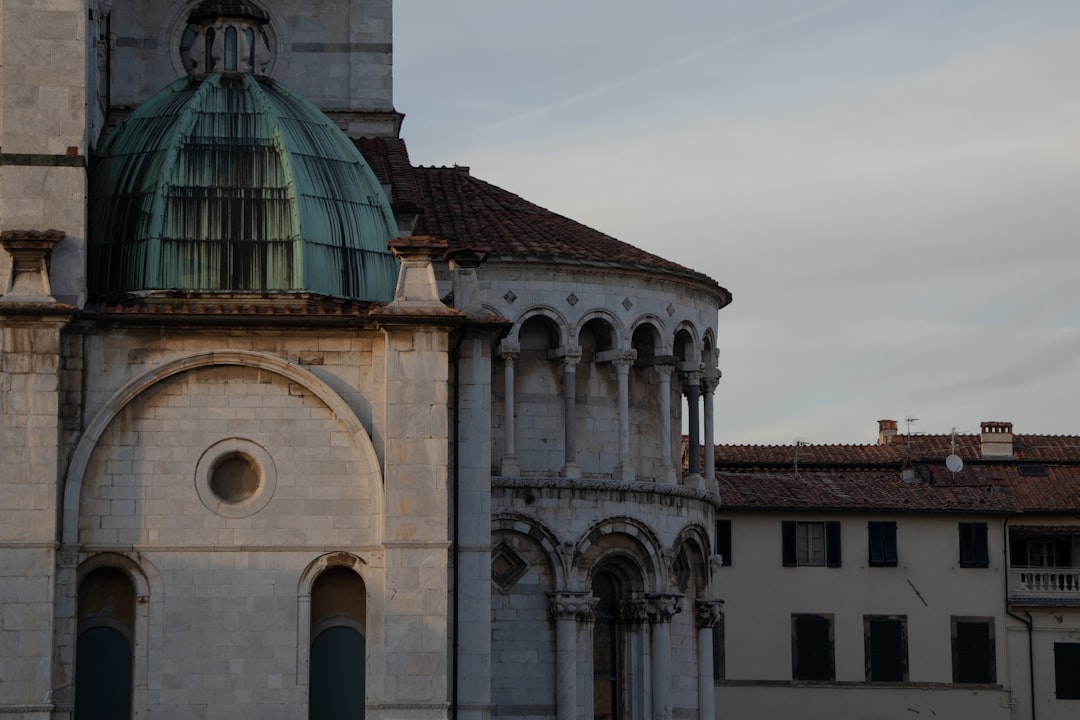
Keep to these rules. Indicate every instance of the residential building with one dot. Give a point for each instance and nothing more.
(891, 580)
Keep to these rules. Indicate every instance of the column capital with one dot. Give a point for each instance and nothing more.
(572, 606)
(664, 370)
(662, 607)
(710, 379)
(625, 360)
(509, 349)
(634, 611)
(708, 612)
(692, 378)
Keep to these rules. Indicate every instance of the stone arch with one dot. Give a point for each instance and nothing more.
(693, 540)
(305, 630)
(538, 533)
(686, 343)
(708, 350)
(323, 563)
(556, 318)
(146, 580)
(618, 339)
(657, 337)
(193, 361)
(622, 540)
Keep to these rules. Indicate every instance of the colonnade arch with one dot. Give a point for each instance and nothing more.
(593, 397)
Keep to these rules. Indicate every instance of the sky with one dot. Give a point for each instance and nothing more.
(890, 190)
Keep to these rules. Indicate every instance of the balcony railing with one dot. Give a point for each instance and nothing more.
(1045, 586)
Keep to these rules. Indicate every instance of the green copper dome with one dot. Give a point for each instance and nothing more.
(233, 184)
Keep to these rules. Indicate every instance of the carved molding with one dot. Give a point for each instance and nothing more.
(661, 608)
(572, 606)
(709, 612)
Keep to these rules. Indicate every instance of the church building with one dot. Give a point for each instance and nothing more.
(292, 428)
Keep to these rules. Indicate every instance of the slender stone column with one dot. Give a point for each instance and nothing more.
(708, 614)
(567, 609)
(510, 465)
(625, 469)
(709, 381)
(692, 389)
(667, 463)
(570, 360)
(661, 609)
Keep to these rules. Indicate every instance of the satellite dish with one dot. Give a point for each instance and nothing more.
(954, 463)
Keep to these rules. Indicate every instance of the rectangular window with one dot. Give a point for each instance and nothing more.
(1040, 551)
(973, 650)
(810, 543)
(973, 547)
(1067, 670)
(882, 543)
(885, 637)
(723, 540)
(812, 648)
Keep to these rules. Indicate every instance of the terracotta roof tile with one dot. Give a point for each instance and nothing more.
(1042, 476)
(469, 212)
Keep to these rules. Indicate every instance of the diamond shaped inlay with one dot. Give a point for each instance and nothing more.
(670, 309)
(510, 297)
(507, 566)
(572, 299)
(627, 303)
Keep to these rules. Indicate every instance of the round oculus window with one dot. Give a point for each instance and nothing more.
(235, 478)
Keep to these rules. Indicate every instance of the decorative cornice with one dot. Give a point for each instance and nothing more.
(603, 485)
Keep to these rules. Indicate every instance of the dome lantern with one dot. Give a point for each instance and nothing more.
(229, 38)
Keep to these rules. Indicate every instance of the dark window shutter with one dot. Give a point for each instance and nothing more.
(1064, 553)
(1067, 670)
(813, 648)
(832, 543)
(887, 651)
(787, 538)
(974, 653)
(882, 543)
(982, 551)
(973, 545)
(723, 540)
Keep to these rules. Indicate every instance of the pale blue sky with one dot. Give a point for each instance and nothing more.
(891, 190)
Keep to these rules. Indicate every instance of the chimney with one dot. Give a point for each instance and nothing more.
(996, 440)
(886, 432)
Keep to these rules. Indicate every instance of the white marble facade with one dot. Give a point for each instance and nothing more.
(502, 482)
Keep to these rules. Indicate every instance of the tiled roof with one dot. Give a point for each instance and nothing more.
(468, 212)
(968, 447)
(1042, 476)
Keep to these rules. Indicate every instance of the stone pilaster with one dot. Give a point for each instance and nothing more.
(692, 390)
(708, 613)
(625, 469)
(510, 466)
(567, 610)
(667, 462)
(472, 527)
(571, 356)
(709, 381)
(43, 131)
(661, 608)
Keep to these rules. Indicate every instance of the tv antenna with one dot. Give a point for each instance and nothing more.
(953, 463)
